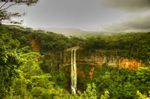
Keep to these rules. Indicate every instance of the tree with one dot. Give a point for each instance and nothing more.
(9, 61)
(6, 4)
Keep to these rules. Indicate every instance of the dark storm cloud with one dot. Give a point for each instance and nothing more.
(130, 5)
(138, 23)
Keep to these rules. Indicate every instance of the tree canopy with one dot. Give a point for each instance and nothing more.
(28, 74)
(6, 4)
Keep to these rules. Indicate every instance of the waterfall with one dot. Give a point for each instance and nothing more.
(73, 71)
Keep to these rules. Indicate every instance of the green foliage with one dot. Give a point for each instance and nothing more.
(122, 83)
(106, 95)
(9, 62)
(50, 41)
(142, 78)
(94, 43)
(25, 74)
(90, 92)
(132, 45)
(31, 82)
(142, 96)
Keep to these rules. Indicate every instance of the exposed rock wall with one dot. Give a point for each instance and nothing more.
(99, 58)
(120, 62)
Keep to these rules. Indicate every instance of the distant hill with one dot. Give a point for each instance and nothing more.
(75, 32)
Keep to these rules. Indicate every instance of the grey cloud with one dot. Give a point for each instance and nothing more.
(87, 14)
(140, 23)
(130, 5)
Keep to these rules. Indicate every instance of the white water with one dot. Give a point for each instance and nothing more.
(73, 71)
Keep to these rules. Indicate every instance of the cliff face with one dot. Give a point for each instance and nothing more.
(99, 58)
(92, 58)
(118, 62)
(129, 63)
(95, 58)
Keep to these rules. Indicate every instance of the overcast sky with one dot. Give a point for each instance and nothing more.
(97, 15)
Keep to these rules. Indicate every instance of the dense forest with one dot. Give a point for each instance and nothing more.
(32, 65)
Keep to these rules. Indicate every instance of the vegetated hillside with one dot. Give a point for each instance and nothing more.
(32, 65)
